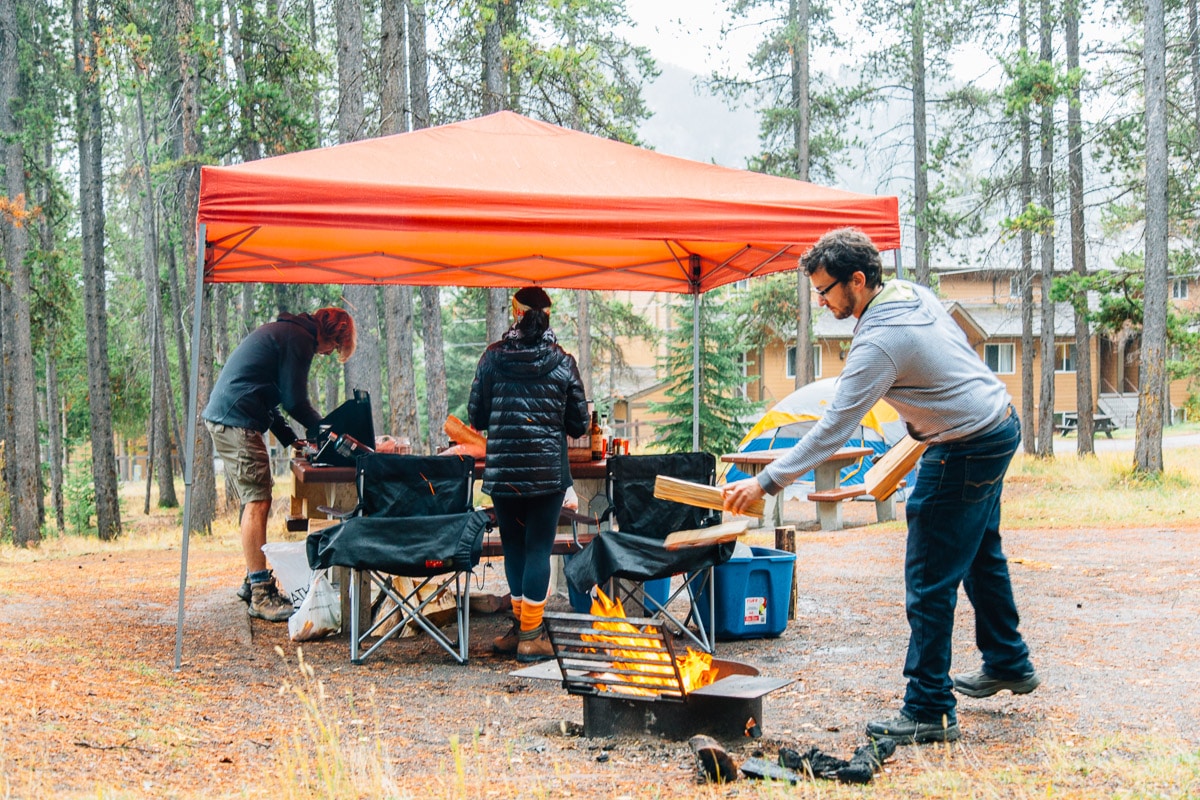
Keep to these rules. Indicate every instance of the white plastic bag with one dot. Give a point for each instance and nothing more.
(289, 561)
(320, 614)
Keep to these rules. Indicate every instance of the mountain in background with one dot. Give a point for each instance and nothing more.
(690, 123)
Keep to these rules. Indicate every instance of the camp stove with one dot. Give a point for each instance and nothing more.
(632, 683)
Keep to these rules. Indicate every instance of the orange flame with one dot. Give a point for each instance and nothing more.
(695, 668)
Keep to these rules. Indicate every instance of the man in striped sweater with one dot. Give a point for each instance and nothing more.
(907, 350)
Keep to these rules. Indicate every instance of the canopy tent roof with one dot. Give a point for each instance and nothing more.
(506, 201)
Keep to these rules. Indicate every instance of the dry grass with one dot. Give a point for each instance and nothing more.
(1068, 491)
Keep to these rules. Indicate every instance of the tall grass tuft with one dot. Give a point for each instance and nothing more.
(321, 760)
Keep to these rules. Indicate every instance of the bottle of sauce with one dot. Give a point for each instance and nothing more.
(597, 435)
(607, 435)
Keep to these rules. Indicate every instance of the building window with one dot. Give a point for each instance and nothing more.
(1064, 358)
(999, 358)
(1014, 286)
(1179, 289)
(791, 361)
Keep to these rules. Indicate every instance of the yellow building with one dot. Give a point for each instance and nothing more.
(985, 304)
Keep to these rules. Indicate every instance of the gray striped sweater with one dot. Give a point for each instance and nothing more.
(907, 350)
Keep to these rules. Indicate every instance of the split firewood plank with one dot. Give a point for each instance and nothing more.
(884, 478)
(700, 537)
(697, 494)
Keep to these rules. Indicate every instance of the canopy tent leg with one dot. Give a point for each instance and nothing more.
(695, 264)
(189, 449)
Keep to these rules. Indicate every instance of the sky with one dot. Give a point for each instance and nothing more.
(684, 37)
(685, 33)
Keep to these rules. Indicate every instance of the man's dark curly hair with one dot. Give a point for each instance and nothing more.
(842, 253)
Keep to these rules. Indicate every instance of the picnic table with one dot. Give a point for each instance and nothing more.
(826, 476)
(1070, 422)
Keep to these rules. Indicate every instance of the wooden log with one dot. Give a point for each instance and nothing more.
(699, 537)
(698, 494)
(714, 760)
(785, 539)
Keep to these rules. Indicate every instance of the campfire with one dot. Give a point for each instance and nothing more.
(641, 662)
(631, 680)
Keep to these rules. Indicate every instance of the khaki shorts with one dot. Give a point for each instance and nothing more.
(247, 464)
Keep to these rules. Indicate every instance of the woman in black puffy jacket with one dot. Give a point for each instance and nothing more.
(529, 397)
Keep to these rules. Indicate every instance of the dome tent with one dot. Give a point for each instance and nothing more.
(793, 416)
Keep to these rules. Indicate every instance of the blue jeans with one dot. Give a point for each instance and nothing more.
(954, 537)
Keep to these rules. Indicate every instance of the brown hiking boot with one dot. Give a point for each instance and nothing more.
(509, 641)
(534, 646)
(266, 603)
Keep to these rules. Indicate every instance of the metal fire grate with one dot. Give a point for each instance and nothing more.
(724, 708)
(594, 661)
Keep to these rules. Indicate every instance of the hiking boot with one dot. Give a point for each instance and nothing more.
(267, 603)
(243, 591)
(534, 646)
(980, 684)
(507, 643)
(906, 730)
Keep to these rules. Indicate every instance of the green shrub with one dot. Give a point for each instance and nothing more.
(80, 491)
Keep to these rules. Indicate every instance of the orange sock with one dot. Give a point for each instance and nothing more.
(517, 604)
(531, 614)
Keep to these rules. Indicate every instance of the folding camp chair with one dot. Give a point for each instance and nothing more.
(414, 519)
(632, 553)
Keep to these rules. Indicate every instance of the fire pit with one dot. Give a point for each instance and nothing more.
(632, 680)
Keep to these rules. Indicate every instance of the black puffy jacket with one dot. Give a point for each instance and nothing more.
(529, 398)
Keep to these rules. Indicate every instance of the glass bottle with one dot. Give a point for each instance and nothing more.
(597, 435)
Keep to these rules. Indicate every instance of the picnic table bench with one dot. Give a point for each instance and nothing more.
(829, 505)
(1070, 422)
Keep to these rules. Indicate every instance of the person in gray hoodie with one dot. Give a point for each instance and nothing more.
(907, 350)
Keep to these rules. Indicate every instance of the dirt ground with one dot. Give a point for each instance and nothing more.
(92, 706)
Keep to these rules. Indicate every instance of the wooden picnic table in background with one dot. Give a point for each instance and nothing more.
(827, 475)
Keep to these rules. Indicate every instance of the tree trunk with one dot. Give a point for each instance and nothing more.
(1028, 407)
(1152, 382)
(398, 300)
(799, 12)
(54, 429)
(436, 404)
(204, 484)
(495, 99)
(583, 328)
(1086, 431)
(920, 148)
(364, 370)
(25, 490)
(1045, 444)
(159, 461)
(54, 420)
(91, 214)
(1194, 58)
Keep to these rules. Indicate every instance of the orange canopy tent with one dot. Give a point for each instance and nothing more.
(502, 201)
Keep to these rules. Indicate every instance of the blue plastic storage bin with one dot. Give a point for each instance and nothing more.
(751, 595)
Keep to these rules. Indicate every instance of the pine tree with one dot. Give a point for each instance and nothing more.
(723, 405)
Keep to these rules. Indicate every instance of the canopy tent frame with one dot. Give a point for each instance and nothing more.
(548, 212)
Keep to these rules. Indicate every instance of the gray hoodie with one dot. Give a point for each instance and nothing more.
(907, 350)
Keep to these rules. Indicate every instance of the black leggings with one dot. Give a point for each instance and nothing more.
(527, 528)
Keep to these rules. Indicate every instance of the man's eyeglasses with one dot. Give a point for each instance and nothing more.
(822, 292)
